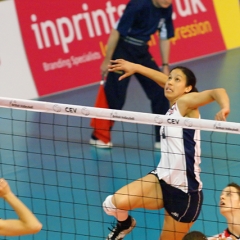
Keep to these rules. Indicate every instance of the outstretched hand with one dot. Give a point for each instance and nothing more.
(222, 114)
(128, 68)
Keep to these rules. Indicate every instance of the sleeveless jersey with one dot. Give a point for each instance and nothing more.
(180, 155)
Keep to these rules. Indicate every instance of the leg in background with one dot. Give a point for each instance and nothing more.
(173, 229)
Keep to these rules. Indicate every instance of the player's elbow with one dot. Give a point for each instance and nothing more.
(34, 228)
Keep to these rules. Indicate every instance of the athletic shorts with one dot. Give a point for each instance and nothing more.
(183, 207)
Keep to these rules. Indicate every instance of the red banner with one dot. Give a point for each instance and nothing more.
(65, 40)
(197, 31)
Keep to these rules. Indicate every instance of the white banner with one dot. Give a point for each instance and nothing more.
(15, 75)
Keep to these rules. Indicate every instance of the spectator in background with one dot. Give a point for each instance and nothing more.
(230, 209)
(194, 235)
(27, 222)
(128, 40)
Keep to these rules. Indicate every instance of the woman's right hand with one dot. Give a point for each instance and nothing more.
(128, 68)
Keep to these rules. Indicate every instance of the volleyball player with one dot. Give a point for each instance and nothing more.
(175, 184)
(27, 222)
(230, 209)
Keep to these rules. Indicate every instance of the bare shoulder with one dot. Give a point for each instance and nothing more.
(185, 107)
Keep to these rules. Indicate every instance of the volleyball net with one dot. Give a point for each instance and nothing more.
(46, 157)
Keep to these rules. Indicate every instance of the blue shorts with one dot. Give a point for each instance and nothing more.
(183, 207)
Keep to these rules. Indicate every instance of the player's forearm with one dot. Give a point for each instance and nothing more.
(157, 76)
(24, 214)
(221, 97)
(111, 44)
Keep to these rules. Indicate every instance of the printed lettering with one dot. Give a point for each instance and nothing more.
(198, 4)
(192, 30)
(37, 34)
(71, 110)
(64, 30)
(49, 25)
(189, 7)
(65, 38)
(173, 121)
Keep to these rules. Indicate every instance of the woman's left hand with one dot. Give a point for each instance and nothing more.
(222, 114)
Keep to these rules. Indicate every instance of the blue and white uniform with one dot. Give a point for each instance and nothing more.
(178, 170)
(180, 155)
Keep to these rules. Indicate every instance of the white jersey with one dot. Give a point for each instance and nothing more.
(180, 155)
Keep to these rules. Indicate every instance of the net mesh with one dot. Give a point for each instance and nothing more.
(46, 157)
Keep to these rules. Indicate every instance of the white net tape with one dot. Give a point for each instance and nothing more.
(119, 115)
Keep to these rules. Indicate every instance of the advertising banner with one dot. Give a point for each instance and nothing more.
(197, 32)
(65, 40)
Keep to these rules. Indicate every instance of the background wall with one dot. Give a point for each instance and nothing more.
(48, 47)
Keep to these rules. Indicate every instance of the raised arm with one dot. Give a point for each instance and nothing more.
(130, 68)
(198, 99)
(27, 222)
(221, 97)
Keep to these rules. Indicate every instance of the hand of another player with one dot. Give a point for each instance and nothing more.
(129, 68)
(4, 187)
(222, 114)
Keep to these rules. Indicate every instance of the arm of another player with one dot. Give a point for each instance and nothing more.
(111, 45)
(130, 68)
(165, 52)
(165, 34)
(27, 222)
